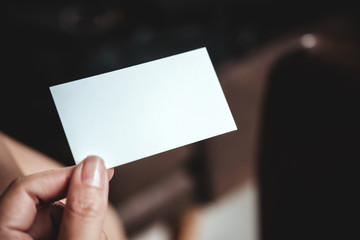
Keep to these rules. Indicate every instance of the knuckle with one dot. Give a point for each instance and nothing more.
(85, 208)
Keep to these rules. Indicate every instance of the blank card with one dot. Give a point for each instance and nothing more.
(139, 111)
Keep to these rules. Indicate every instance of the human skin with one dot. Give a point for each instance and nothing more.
(30, 207)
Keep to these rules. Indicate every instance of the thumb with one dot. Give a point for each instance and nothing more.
(86, 202)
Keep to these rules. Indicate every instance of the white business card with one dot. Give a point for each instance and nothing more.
(139, 111)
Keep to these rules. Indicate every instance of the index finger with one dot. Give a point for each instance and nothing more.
(18, 205)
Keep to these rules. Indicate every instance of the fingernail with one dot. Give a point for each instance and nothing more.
(93, 172)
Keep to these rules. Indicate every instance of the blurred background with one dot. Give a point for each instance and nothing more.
(290, 72)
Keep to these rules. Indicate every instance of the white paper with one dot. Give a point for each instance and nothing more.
(139, 111)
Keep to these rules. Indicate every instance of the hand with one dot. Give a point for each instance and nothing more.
(29, 208)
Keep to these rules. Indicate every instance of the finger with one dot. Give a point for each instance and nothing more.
(18, 205)
(86, 201)
(110, 173)
(47, 222)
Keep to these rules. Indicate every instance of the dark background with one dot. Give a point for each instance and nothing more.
(44, 44)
